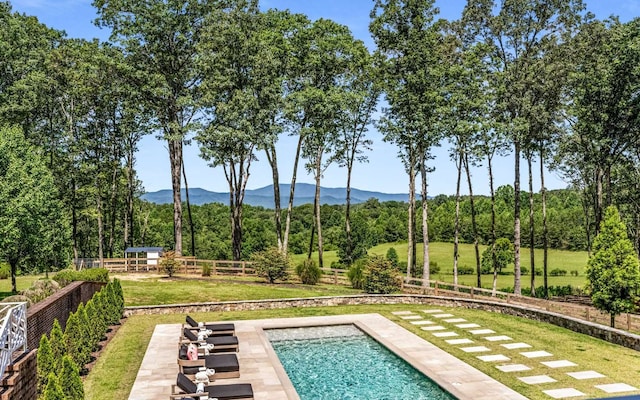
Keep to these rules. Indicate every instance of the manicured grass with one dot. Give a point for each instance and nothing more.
(180, 290)
(22, 282)
(115, 371)
(442, 254)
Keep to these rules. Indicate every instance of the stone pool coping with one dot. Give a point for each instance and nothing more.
(259, 365)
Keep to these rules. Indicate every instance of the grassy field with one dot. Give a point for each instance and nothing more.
(22, 282)
(442, 254)
(116, 369)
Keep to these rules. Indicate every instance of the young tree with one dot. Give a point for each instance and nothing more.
(29, 210)
(46, 363)
(69, 379)
(613, 271)
(53, 391)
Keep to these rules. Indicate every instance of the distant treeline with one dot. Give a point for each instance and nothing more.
(373, 222)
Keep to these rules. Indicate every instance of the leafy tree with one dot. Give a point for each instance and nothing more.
(75, 341)
(29, 210)
(69, 378)
(613, 271)
(497, 257)
(96, 324)
(46, 363)
(380, 277)
(392, 256)
(57, 342)
(271, 264)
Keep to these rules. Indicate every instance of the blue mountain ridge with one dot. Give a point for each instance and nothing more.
(263, 196)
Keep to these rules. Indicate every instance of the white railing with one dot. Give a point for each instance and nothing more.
(13, 331)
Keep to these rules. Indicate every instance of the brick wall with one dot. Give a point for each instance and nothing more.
(58, 306)
(19, 380)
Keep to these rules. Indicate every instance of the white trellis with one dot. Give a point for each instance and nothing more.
(13, 331)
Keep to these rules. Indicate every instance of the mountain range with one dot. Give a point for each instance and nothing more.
(263, 197)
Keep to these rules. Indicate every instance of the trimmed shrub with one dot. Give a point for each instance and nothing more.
(206, 270)
(466, 270)
(96, 324)
(5, 271)
(66, 276)
(70, 381)
(53, 391)
(309, 272)
(380, 277)
(558, 272)
(46, 363)
(392, 256)
(169, 263)
(74, 340)
(271, 264)
(355, 273)
(57, 342)
(573, 272)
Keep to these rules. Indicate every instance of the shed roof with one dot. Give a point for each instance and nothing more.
(144, 249)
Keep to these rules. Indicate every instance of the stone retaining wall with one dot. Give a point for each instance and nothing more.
(616, 336)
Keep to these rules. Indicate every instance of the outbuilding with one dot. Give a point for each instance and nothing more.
(145, 257)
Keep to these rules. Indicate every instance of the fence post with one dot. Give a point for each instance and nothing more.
(436, 288)
(588, 312)
(213, 267)
(335, 277)
(243, 265)
(628, 321)
(472, 292)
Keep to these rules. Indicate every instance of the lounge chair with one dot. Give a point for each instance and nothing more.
(217, 329)
(185, 388)
(225, 365)
(222, 344)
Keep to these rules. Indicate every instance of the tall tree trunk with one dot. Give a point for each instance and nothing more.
(425, 225)
(599, 198)
(316, 202)
(100, 227)
(474, 225)
(494, 262)
(285, 246)
(532, 232)
(74, 222)
(114, 212)
(347, 217)
(313, 235)
(273, 162)
(13, 263)
(545, 231)
(128, 230)
(456, 233)
(411, 217)
(186, 193)
(516, 225)
(175, 158)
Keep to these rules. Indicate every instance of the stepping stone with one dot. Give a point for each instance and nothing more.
(481, 331)
(563, 393)
(474, 349)
(432, 311)
(536, 380)
(497, 338)
(442, 315)
(422, 322)
(512, 346)
(585, 375)
(433, 328)
(559, 364)
(444, 334)
(513, 368)
(402, 312)
(467, 326)
(459, 341)
(411, 317)
(616, 388)
(494, 357)
(454, 320)
(536, 354)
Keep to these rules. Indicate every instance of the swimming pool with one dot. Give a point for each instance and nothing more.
(343, 362)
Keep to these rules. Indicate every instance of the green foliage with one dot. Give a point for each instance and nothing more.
(392, 256)
(271, 264)
(613, 271)
(46, 363)
(5, 270)
(169, 263)
(356, 273)
(69, 378)
(53, 390)
(67, 276)
(380, 277)
(58, 343)
(40, 290)
(96, 324)
(466, 270)
(74, 337)
(558, 272)
(504, 255)
(206, 270)
(308, 272)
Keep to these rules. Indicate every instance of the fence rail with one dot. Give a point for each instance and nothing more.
(13, 331)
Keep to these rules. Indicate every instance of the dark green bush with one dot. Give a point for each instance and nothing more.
(392, 256)
(206, 270)
(5, 270)
(573, 272)
(433, 267)
(380, 277)
(66, 276)
(355, 273)
(309, 272)
(466, 270)
(271, 264)
(558, 272)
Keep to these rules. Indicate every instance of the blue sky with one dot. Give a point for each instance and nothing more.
(383, 172)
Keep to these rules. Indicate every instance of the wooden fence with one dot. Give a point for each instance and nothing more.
(194, 266)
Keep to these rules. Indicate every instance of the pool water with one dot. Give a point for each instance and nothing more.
(342, 362)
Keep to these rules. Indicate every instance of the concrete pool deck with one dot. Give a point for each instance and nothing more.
(260, 366)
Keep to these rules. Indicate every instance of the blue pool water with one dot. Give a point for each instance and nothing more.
(342, 362)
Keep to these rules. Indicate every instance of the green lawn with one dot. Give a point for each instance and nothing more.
(442, 254)
(115, 371)
(22, 282)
